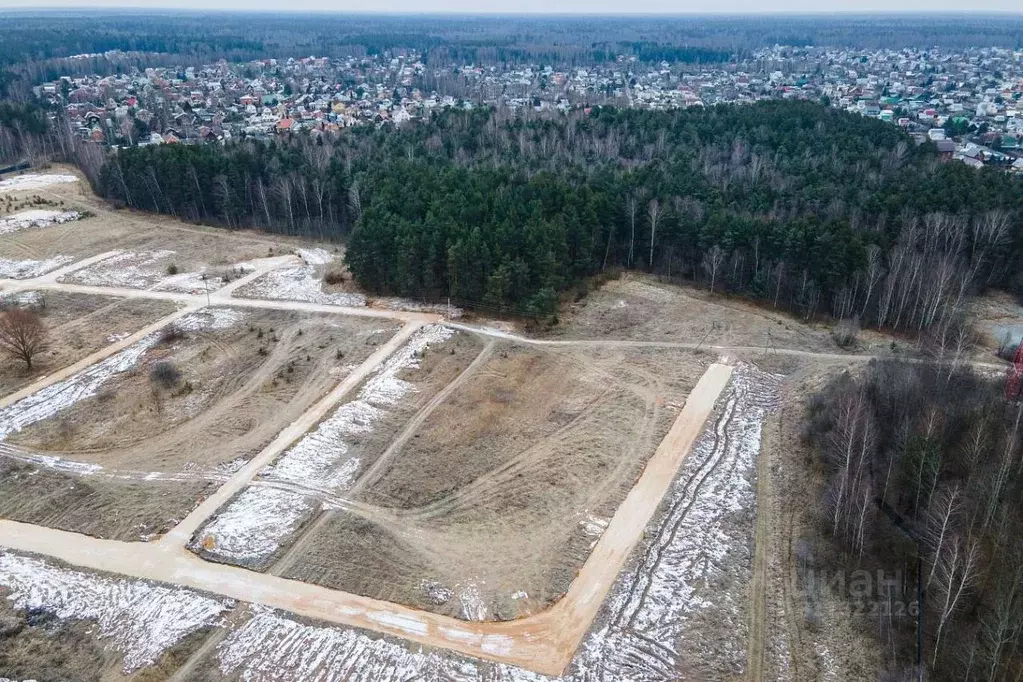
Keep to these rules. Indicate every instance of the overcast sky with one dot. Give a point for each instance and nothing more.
(548, 6)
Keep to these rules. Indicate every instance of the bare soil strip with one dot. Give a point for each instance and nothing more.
(544, 643)
(758, 585)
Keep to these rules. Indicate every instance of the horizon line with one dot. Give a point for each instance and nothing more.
(26, 9)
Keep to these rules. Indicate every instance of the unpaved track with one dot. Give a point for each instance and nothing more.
(544, 643)
(755, 652)
(182, 533)
(98, 356)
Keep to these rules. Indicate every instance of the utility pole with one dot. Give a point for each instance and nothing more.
(206, 283)
(910, 532)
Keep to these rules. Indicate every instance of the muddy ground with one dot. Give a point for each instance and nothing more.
(489, 509)
(77, 325)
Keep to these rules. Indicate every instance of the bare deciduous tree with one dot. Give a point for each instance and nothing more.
(712, 261)
(22, 335)
(653, 210)
(957, 571)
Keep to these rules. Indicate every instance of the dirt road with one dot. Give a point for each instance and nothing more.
(180, 535)
(544, 643)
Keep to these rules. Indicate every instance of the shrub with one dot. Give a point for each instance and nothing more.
(169, 335)
(846, 332)
(165, 374)
(172, 269)
(334, 276)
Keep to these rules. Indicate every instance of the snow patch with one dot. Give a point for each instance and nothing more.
(211, 319)
(473, 606)
(130, 269)
(449, 311)
(140, 620)
(593, 526)
(436, 592)
(297, 283)
(33, 219)
(273, 648)
(320, 456)
(27, 269)
(22, 298)
(30, 181)
(253, 526)
(315, 256)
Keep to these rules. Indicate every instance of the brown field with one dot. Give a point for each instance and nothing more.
(195, 248)
(490, 507)
(77, 325)
(238, 387)
(437, 368)
(639, 307)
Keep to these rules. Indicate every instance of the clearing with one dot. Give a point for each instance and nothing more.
(173, 413)
(77, 325)
(485, 505)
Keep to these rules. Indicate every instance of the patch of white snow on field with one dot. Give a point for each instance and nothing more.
(189, 283)
(130, 269)
(273, 648)
(22, 298)
(473, 606)
(54, 398)
(252, 527)
(30, 181)
(52, 462)
(140, 620)
(436, 592)
(210, 319)
(319, 458)
(449, 311)
(315, 256)
(27, 269)
(36, 218)
(297, 283)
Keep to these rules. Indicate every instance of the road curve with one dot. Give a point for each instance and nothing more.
(544, 642)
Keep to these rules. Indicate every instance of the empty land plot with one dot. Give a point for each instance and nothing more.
(642, 309)
(171, 260)
(490, 508)
(321, 278)
(179, 411)
(77, 325)
(309, 479)
(157, 252)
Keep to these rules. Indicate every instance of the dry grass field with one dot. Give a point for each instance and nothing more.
(202, 396)
(490, 505)
(76, 325)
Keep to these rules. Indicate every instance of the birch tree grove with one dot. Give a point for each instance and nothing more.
(921, 459)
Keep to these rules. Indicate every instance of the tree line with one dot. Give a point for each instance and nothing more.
(927, 460)
(803, 207)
